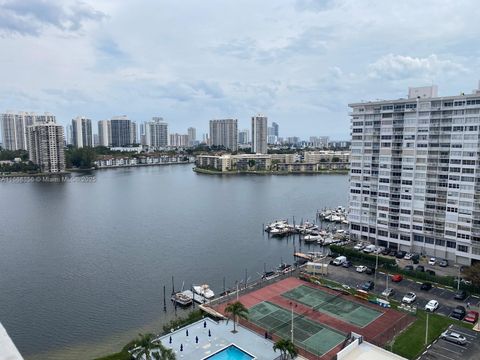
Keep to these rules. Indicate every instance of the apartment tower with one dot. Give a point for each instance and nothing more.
(259, 134)
(46, 145)
(82, 132)
(224, 133)
(415, 174)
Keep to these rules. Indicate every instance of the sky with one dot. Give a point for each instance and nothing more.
(299, 62)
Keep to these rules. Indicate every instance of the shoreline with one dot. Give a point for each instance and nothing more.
(283, 173)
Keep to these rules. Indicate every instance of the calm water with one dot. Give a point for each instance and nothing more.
(82, 265)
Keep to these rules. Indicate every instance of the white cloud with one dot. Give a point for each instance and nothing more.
(395, 67)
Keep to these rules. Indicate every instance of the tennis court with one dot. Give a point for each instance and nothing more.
(314, 337)
(333, 305)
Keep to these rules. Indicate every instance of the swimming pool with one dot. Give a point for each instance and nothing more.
(231, 352)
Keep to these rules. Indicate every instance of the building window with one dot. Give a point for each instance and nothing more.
(429, 240)
(451, 244)
(463, 248)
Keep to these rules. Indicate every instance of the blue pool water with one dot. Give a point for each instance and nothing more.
(230, 353)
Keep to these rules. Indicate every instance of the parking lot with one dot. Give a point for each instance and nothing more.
(444, 296)
(442, 349)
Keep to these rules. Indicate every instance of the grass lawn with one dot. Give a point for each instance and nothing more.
(411, 342)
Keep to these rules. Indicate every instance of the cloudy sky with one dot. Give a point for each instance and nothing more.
(300, 62)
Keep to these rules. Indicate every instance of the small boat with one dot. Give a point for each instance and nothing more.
(285, 268)
(268, 275)
(312, 238)
(182, 298)
(204, 290)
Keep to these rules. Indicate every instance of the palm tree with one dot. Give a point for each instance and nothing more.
(287, 349)
(146, 343)
(236, 310)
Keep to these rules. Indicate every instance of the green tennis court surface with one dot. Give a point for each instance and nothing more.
(314, 337)
(333, 305)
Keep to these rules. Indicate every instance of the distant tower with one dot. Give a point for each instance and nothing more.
(82, 132)
(224, 133)
(259, 134)
(46, 145)
(192, 136)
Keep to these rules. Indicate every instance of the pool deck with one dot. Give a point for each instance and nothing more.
(221, 337)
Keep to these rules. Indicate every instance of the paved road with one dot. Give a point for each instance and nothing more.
(444, 296)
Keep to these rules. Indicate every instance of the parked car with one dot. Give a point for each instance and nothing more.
(415, 257)
(369, 285)
(458, 313)
(471, 317)
(400, 254)
(454, 337)
(359, 247)
(430, 272)
(347, 264)
(370, 271)
(426, 286)
(408, 256)
(408, 268)
(431, 306)
(369, 249)
(432, 261)
(443, 263)
(397, 278)
(361, 268)
(420, 268)
(409, 298)
(460, 295)
(339, 260)
(385, 251)
(388, 292)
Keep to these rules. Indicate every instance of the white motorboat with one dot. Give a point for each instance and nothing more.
(312, 238)
(204, 290)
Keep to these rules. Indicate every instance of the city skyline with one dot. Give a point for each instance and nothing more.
(113, 70)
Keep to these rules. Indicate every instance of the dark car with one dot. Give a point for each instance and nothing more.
(430, 272)
(347, 264)
(385, 251)
(369, 285)
(370, 271)
(458, 313)
(415, 257)
(460, 295)
(408, 268)
(443, 263)
(426, 286)
(400, 254)
(420, 268)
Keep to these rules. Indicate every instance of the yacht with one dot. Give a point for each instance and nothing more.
(204, 290)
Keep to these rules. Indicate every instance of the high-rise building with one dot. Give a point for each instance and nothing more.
(259, 134)
(122, 131)
(178, 140)
(224, 133)
(46, 145)
(104, 133)
(133, 132)
(82, 132)
(275, 129)
(319, 141)
(414, 174)
(156, 133)
(244, 137)
(96, 141)
(192, 136)
(14, 129)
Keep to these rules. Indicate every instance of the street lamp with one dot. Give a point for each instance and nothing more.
(291, 330)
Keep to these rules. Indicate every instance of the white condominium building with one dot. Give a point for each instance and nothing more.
(104, 133)
(415, 174)
(156, 133)
(46, 146)
(224, 133)
(259, 134)
(14, 129)
(82, 132)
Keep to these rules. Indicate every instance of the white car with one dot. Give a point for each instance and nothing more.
(359, 247)
(361, 268)
(409, 298)
(388, 292)
(431, 306)
(432, 261)
(408, 256)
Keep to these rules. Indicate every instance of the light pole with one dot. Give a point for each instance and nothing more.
(291, 330)
(376, 262)
(426, 330)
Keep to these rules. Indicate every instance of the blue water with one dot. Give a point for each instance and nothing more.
(231, 353)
